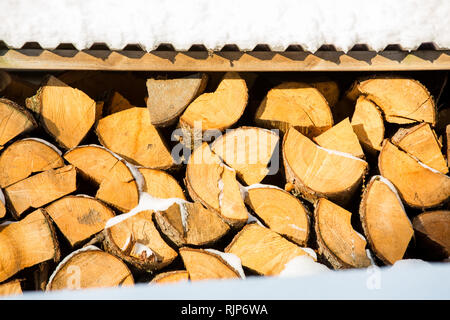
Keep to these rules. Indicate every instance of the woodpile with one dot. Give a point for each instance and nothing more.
(108, 180)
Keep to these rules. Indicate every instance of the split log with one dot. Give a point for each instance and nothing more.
(218, 110)
(210, 264)
(111, 173)
(338, 242)
(99, 106)
(432, 229)
(418, 185)
(130, 134)
(160, 184)
(402, 100)
(341, 137)
(214, 185)
(368, 124)
(448, 144)
(116, 103)
(329, 89)
(14, 121)
(295, 104)
(40, 189)
(384, 220)
(134, 238)
(25, 157)
(89, 267)
(421, 142)
(280, 211)
(168, 98)
(318, 172)
(79, 217)
(264, 251)
(191, 224)
(26, 243)
(11, 288)
(248, 150)
(67, 114)
(171, 277)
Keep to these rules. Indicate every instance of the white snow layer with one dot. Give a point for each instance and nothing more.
(302, 266)
(214, 24)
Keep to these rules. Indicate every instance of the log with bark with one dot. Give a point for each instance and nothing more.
(171, 277)
(27, 243)
(89, 267)
(15, 120)
(295, 104)
(216, 110)
(67, 114)
(319, 172)
(384, 220)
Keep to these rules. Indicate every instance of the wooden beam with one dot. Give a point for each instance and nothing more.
(36, 59)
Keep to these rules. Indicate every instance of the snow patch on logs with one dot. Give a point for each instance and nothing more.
(302, 266)
(233, 260)
(148, 202)
(340, 153)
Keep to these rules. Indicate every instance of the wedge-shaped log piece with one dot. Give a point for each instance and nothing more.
(248, 150)
(25, 157)
(168, 98)
(421, 142)
(214, 184)
(116, 103)
(318, 172)
(160, 184)
(402, 100)
(14, 120)
(280, 211)
(191, 224)
(89, 267)
(210, 264)
(40, 189)
(384, 220)
(433, 233)
(215, 111)
(67, 114)
(117, 183)
(26, 243)
(329, 89)
(341, 137)
(338, 242)
(11, 288)
(171, 277)
(418, 185)
(295, 104)
(263, 250)
(130, 134)
(368, 124)
(93, 161)
(79, 217)
(136, 240)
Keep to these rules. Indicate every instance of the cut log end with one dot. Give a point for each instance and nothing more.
(171, 277)
(15, 121)
(338, 242)
(90, 268)
(384, 220)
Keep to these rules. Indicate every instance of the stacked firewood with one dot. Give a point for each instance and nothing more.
(112, 179)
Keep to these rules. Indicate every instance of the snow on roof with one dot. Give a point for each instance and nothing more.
(214, 24)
